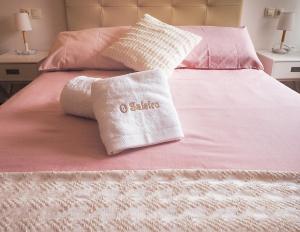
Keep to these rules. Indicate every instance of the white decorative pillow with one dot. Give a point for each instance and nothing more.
(152, 44)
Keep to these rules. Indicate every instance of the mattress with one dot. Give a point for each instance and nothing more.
(232, 119)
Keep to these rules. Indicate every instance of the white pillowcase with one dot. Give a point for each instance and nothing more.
(152, 44)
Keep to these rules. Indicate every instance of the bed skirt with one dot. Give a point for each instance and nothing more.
(150, 200)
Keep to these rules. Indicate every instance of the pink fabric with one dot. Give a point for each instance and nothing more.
(222, 48)
(239, 119)
(77, 50)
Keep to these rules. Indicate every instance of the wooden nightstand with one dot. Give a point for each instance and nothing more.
(18, 69)
(282, 67)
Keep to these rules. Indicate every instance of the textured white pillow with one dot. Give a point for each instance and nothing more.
(152, 44)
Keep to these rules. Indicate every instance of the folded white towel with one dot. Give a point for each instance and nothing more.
(135, 110)
(76, 97)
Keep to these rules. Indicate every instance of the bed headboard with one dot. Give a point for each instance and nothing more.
(82, 14)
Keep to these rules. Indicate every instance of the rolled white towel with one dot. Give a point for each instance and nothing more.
(76, 97)
(135, 110)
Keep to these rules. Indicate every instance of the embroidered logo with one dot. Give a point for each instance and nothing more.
(123, 108)
(134, 106)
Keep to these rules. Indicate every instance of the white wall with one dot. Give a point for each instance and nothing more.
(263, 29)
(44, 30)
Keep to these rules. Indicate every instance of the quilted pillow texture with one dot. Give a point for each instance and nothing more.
(77, 50)
(152, 44)
(222, 48)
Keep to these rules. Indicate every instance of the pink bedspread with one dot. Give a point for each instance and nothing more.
(239, 119)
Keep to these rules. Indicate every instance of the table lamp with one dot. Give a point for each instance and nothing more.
(23, 24)
(285, 23)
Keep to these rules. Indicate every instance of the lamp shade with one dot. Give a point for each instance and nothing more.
(22, 22)
(286, 21)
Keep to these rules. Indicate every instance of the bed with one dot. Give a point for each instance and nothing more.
(226, 124)
(236, 169)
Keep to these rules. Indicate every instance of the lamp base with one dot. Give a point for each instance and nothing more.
(283, 49)
(279, 51)
(25, 53)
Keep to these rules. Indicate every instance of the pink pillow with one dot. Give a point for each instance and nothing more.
(222, 48)
(75, 50)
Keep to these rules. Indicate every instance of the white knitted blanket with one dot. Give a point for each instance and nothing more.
(160, 200)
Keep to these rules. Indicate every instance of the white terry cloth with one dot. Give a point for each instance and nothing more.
(76, 97)
(135, 110)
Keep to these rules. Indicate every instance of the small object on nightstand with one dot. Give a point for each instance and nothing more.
(285, 23)
(23, 24)
(15, 69)
(285, 67)
(2, 51)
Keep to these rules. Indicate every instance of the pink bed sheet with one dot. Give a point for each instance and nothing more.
(239, 119)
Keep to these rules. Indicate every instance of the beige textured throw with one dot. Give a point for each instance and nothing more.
(160, 200)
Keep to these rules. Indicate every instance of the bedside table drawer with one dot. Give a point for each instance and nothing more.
(18, 72)
(286, 70)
